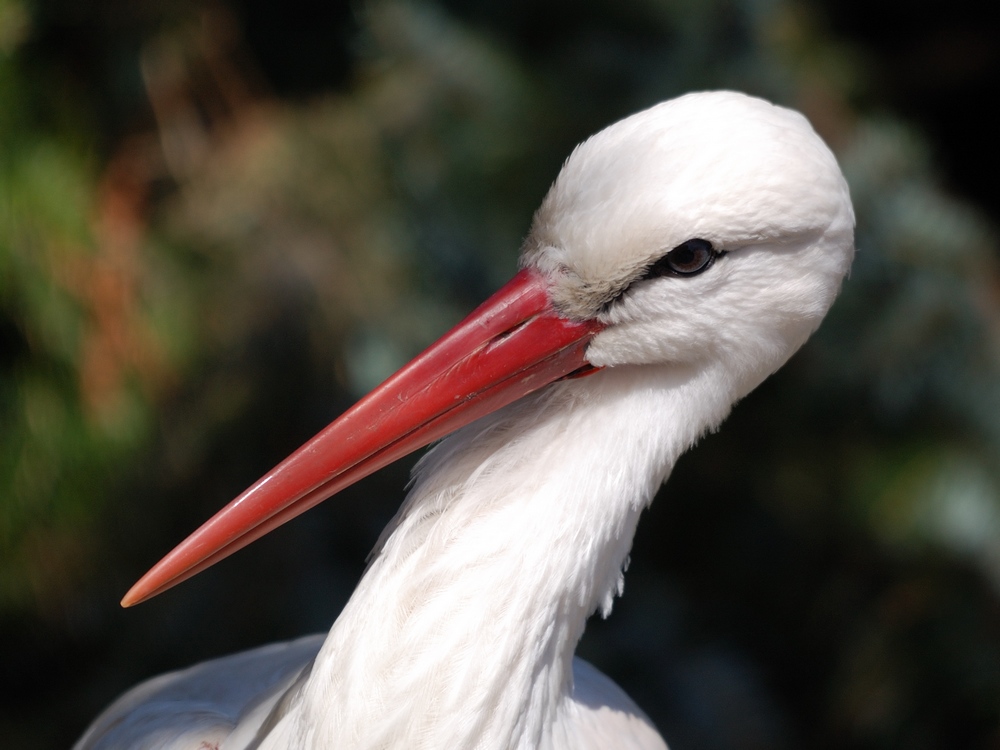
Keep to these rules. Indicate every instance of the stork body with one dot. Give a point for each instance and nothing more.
(690, 249)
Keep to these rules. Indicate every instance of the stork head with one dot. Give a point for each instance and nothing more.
(714, 227)
(710, 231)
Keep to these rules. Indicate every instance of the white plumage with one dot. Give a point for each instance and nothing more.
(462, 631)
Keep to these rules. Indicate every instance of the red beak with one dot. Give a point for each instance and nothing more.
(512, 345)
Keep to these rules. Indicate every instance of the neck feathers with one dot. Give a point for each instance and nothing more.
(515, 531)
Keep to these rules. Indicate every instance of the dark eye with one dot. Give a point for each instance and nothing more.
(687, 259)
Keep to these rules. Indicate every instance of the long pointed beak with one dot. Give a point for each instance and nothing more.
(510, 346)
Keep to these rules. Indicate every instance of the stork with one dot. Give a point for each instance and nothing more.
(682, 255)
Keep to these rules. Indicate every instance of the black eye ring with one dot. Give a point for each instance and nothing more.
(687, 259)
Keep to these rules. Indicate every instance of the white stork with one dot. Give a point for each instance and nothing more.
(681, 256)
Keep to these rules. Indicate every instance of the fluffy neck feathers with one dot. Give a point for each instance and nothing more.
(516, 530)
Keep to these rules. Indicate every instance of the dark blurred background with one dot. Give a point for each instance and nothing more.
(222, 222)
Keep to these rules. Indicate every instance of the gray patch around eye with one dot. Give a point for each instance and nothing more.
(605, 295)
(606, 302)
(575, 297)
(585, 300)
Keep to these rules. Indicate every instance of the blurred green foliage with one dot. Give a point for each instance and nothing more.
(195, 277)
(62, 430)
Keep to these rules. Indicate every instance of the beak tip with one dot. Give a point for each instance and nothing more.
(135, 595)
